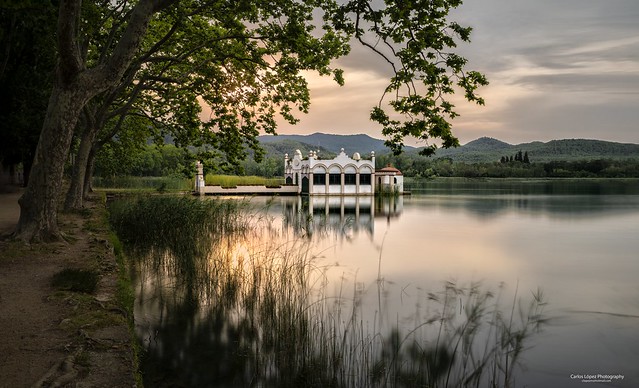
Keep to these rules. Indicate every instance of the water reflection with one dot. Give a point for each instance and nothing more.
(580, 247)
(275, 323)
(344, 217)
(259, 311)
(356, 286)
(553, 187)
(489, 207)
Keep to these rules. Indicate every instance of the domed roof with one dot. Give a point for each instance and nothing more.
(390, 170)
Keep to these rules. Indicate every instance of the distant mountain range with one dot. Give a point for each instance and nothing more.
(487, 149)
(334, 143)
(484, 149)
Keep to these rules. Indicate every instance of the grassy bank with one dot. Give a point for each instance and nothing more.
(121, 292)
(133, 184)
(66, 319)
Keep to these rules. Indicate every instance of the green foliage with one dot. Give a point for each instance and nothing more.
(490, 150)
(126, 182)
(521, 157)
(27, 43)
(184, 225)
(217, 75)
(269, 167)
(149, 160)
(425, 70)
(413, 165)
(242, 63)
(562, 169)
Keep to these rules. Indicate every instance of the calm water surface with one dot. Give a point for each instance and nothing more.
(578, 243)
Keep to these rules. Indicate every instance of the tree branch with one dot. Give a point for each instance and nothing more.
(70, 60)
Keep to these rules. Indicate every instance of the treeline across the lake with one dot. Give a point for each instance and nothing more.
(177, 165)
(413, 166)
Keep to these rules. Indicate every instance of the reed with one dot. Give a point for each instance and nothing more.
(242, 306)
(235, 180)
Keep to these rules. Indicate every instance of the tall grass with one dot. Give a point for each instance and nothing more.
(225, 301)
(234, 180)
(184, 227)
(170, 183)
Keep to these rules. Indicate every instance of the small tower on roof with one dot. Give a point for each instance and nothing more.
(389, 179)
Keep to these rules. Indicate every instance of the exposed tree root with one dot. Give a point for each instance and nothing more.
(60, 374)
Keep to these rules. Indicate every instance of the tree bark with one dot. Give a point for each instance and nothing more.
(73, 88)
(75, 195)
(88, 174)
(39, 203)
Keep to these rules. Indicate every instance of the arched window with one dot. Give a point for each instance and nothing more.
(335, 175)
(365, 176)
(350, 179)
(350, 175)
(319, 175)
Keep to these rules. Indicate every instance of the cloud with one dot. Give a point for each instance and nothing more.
(341, 110)
(557, 69)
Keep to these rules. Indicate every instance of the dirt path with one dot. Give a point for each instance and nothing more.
(9, 210)
(50, 337)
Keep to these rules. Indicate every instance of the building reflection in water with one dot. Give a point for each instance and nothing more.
(342, 216)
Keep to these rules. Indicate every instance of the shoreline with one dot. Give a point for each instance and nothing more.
(57, 337)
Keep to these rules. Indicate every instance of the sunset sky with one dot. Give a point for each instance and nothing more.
(557, 70)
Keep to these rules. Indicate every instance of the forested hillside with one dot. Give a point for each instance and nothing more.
(490, 150)
(484, 149)
(484, 157)
(351, 143)
(277, 149)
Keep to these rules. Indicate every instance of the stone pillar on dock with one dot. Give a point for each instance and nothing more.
(199, 178)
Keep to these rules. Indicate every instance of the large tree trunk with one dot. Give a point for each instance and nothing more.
(75, 195)
(27, 163)
(39, 203)
(88, 174)
(75, 85)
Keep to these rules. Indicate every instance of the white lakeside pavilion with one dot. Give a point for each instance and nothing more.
(342, 175)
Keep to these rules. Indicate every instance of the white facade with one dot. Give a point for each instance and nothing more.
(341, 175)
(390, 180)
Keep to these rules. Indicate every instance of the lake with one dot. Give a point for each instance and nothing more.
(386, 261)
